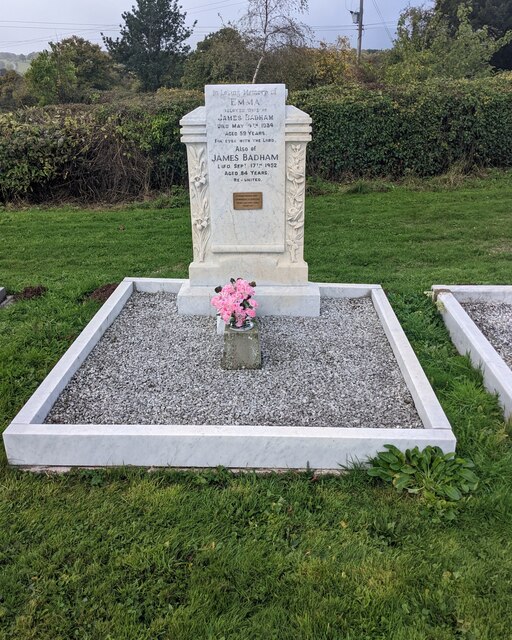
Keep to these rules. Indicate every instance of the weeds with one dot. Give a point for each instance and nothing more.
(440, 479)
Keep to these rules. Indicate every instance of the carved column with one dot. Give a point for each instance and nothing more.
(295, 199)
(193, 134)
(199, 199)
(298, 134)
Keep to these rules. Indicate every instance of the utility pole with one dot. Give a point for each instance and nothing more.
(357, 18)
(359, 31)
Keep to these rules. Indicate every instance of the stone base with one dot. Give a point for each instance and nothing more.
(265, 268)
(274, 300)
(242, 349)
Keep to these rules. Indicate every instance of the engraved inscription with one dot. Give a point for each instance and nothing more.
(245, 127)
(248, 200)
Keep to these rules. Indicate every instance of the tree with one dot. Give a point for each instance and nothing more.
(293, 66)
(269, 25)
(152, 42)
(70, 71)
(11, 87)
(494, 14)
(426, 47)
(334, 63)
(52, 79)
(222, 56)
(94, 68)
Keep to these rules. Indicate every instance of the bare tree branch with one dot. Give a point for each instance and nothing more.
(270, 25)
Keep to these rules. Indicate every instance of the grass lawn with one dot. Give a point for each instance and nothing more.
(126, 554)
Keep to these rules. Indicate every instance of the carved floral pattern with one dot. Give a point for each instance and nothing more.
(199, 200)
(295, 175)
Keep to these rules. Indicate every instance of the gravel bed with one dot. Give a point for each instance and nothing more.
(153, 366)
(494, 319)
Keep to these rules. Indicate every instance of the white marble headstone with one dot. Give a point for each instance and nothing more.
(245, 128)
(246, 152)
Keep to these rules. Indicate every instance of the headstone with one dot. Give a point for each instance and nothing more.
(3, 294)
(246, 154)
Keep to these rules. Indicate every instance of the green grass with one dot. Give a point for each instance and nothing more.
(127, 554)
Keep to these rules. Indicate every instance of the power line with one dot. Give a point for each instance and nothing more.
(115, 26)
(91, 27)
(5, 26)
(216, 8)
(220, 4)
(200, 30)
(67, 24)
(44, 40)
(382, 19)
(351, 25)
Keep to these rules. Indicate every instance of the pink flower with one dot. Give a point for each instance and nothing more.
(234, 302)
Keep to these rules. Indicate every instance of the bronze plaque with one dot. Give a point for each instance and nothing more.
(248, 200)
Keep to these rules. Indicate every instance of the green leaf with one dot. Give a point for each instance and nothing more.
(468, 475)
(378, 472)
(388, 457)
(408, 469)
(393, 449)
(452, 492)
(401, 482)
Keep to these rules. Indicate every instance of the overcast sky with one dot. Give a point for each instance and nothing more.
(28, 25)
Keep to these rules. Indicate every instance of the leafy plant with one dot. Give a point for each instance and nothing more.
(94, 153)
(70, 71)
(131, 148)
(431, 473)
(426, 46)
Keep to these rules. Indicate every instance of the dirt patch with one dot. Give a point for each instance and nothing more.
(101, 294)
(30, 292)
(501, 248)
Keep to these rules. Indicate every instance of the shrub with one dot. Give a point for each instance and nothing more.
(123, 150)
(421, 130)
(91, 153)
(441, 479)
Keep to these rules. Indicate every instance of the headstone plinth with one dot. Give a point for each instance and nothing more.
(246, 155)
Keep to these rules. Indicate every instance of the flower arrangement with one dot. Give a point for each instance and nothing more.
(234, 302)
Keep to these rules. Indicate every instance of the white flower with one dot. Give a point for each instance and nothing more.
(199, 180)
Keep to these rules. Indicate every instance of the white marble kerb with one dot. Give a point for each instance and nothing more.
(29, 441)
(469, 339)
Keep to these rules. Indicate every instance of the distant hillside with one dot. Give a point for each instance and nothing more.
(16, 62)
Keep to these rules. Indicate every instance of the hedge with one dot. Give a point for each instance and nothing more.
(421, 130)
(125, 150)
(94, 152)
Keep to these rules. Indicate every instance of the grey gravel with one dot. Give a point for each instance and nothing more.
(494, 319)
(153, 366)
